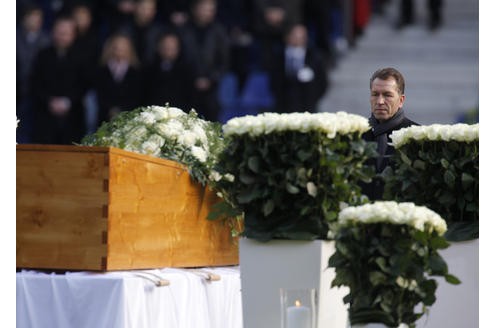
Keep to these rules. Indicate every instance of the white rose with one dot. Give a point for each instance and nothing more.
(200, 133)
(215, 176)
(312, 189)
(146, 118)
(199, 153)
(160, 113)
(138, 132)
(229, 177)
(187, 138)
(174, 112)
(150, 148)
(155, 138)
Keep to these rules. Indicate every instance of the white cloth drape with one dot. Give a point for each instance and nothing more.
(129, 299)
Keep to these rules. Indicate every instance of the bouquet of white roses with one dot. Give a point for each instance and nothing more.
(165, 132)
(289, 173)
(438, 166)
(387, 253)
(436, 132)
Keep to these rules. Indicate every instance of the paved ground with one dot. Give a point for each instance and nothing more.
(440, 68)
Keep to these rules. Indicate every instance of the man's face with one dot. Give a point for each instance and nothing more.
(385, 99)
(64, 34)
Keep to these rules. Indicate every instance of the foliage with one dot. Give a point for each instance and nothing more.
(388, 265)
(441, 173)
(289, 175)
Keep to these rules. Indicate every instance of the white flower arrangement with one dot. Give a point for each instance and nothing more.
(166, 132)
(387, 254)
(437, 166)
(266, 123)
(441, 132)
(291, 171)
(419, 217)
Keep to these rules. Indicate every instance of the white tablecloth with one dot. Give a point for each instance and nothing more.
(129, 299)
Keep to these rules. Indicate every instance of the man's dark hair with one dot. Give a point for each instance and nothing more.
(385, 73)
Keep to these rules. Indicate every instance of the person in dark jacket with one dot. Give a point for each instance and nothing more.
(57, 88)
(207, 51)
(168, 78)
(144, 29)
(118, 79)
(298, 77)
(387, 115)
(30, 39)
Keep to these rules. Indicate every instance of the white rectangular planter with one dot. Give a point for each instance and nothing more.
(457, 306)
(268, 266)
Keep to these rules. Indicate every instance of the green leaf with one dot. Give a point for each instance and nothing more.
(303, 155)
(439, 243)
(437, 265)
(336, 261)
(452, 279)
(376, 278)
(449, 178)
(429, 287)
(462, 231)
(446, 198)
(472, 207)
(254, 164)
(467, 180)
(268, 207)
(382, 263)
(247, 178)
(291, 188)
(445, 163)
(343, 249)
(247, 196)
(419, 164)
(358, 147)
(222, 210)
(405, 159)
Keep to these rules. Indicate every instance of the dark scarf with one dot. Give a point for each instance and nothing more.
(380, 132)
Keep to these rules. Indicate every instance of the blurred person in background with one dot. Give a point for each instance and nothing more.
(144, 29)
(88, 46)
(30, 38)
(118, 14)
(235, 16)
(57, 88)
(118, 78)
(298, 77)
(87, 41)
(271, 19)
(175, 13)
(168, 78)
(407, 13)
(206, 46)
(318, 20)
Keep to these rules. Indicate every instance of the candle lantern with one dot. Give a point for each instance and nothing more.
(298, 308)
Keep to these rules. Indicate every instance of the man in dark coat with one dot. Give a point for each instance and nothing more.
(57, 89)
(387, 115)
(298, 77)
(207, 51)
(168, 78)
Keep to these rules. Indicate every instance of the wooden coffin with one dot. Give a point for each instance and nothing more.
(104, 209)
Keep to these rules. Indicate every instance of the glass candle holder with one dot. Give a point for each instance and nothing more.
(298, 308)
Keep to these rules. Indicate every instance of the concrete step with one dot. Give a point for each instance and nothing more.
(440, 68)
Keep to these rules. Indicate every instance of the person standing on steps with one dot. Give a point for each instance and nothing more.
(407, 13)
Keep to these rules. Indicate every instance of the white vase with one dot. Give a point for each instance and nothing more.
(457, 306)
(266, 267)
